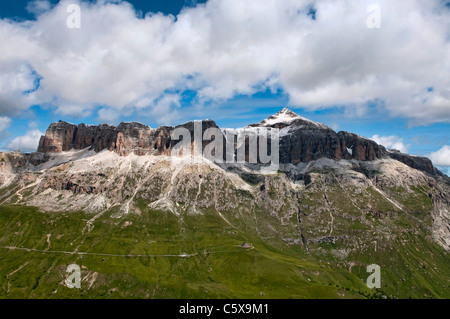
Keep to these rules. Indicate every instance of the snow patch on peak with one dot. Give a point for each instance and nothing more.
(283, 116)
(288, 117)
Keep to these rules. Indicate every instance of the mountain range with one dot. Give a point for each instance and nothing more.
(146, 224)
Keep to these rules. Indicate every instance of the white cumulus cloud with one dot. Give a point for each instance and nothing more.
(26, 143)
(225, 48)
(38, 6)
(441, 157)
(391, 142)
(4, 123)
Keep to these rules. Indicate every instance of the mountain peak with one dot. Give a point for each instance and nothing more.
(286, 112)
(286, 117)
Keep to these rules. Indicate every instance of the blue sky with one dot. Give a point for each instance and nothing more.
(17, 9)
(236, 62)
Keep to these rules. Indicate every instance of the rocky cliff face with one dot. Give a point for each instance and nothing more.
(301, 141)
(63, 136)
(124, 139)
(420, 163)
(305, 145)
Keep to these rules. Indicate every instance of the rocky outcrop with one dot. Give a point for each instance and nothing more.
(124, 139)
(58, 138)
(302, 144)
(305, 145)
(360, 148)
(63, 136)
(301, 140)
(420, 163)
(17, 161)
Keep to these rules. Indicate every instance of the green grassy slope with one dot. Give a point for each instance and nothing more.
(369, 229)
(217, 268)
